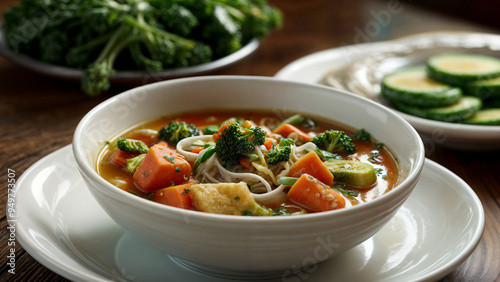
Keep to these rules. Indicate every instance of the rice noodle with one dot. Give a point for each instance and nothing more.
(261, 179)
(185, 146)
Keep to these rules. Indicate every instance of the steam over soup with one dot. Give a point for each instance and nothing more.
(249, 163)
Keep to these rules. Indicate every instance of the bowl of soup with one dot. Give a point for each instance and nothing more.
(244, 176)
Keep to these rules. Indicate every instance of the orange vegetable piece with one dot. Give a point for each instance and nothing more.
(311, 164)
(287, 129)
(197, 150)
(162, 167)
(217, 136)
(175, 196)
(120, 157)
(245, 161)
(313, 195)
(269, 143)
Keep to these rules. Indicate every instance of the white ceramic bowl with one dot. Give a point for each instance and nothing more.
(246, 246)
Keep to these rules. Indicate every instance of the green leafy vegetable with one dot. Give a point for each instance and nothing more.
(134, 163)
(335, 141)
(105, 36)
(132, 146)
(236, 141)
(362, 135)
(278, 154)
(175, 131)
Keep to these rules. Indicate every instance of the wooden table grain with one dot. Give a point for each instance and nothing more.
(38, 114)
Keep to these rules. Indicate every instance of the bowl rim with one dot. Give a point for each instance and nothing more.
(160, 209)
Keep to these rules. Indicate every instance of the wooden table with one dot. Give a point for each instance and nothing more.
(38, 115)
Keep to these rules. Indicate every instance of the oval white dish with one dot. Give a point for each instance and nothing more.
(359, 68)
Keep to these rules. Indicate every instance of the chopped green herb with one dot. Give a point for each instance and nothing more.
(169, 158)
(348, 192)
(145, 174)
(178, 169)
(247, 213)
(362, 135)
(375, 157)
(237, 198)
(282, 211)
(186, 190)
(147, 196)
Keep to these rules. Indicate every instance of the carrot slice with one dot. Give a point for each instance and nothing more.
(175, 196)
(197, 150)
(120, 157)
(245, 161)
(220, 132)
(161, 167)
(269, 143)
(311, 164)
(311, 194)
(287, 129)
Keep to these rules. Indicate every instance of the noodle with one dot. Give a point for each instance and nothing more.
(262, 179)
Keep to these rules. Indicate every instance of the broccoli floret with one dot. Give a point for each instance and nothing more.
(132, 146)
(134, 163)
(278, 154)
(236, 141)
(259, 136)
(335, 141)
(286, 142)
(175, 131)
(362, 135)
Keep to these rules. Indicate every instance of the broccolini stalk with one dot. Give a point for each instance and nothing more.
(96, 77)
(168, 48)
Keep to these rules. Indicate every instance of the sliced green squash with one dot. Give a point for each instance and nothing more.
(462, 69)
(351, 172)
(485, 117)
(484, 88)
(413, 87)
(464, 108)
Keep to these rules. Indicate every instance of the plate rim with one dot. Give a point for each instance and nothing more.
(76, 274)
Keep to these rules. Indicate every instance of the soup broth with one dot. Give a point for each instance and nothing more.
(205, 165)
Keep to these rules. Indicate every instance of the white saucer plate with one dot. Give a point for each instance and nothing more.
(63, 227)
(359, 69)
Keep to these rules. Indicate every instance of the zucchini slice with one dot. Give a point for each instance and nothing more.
(485, 117)
(464, 108)
(413, 87)
(484, 88)
(461, 69)
(351, 172)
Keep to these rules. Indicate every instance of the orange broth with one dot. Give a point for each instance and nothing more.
(383, 161)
